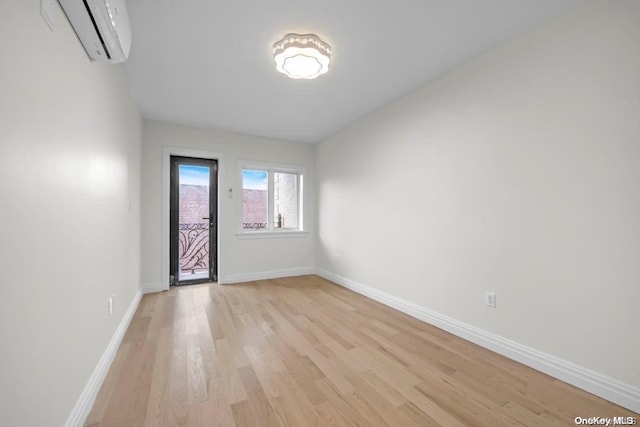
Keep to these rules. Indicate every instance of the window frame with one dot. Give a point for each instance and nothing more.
(272, 168)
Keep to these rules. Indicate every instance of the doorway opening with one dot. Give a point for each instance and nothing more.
(193, 220)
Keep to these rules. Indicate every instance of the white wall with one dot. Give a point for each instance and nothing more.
(69, 217)
(518, 173)
(241, 259)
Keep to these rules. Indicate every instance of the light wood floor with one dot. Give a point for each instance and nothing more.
(303, 351)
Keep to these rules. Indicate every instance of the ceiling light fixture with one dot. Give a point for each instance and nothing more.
(302, 56)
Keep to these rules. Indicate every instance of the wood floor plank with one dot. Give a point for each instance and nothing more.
(178, 380)
(104, 395)
(257, 408)
(292, 406)
(302, 351)
(330, 416)
(388, 392)
(454, 401)
(210, 413)
(227, 377)
(342, 406)
(157, 411)
(267, 365)
(303, 370)
(196, 375)
(129, 398)
(385, 408)
(418, 417)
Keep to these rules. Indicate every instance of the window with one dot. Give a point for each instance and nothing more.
(271, 198)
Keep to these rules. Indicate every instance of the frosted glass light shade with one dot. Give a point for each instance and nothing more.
(302, 56)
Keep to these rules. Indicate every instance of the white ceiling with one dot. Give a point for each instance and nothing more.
(209, 63)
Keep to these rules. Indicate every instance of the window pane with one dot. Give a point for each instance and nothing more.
(285, 200)
(255, 206)
(193, 246)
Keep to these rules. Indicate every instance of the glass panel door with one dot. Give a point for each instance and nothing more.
(193, 220)
(193, 228)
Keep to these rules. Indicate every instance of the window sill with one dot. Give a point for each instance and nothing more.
(271, 234)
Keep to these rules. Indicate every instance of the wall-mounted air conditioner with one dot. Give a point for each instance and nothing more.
(102, 26)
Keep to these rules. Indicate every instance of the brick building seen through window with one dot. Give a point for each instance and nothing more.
(255, 200)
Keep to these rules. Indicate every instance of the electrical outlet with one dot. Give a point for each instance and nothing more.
(490, 299)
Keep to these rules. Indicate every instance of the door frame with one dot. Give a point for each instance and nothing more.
(167, 152)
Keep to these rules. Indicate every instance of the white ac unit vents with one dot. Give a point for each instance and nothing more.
(102, 26)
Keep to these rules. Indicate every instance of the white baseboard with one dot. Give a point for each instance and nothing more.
(608, 388)
(245, 277)
(88, 396)
(264, 275)
(150, 288)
